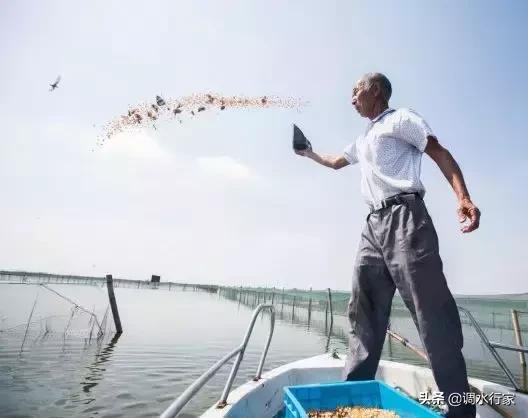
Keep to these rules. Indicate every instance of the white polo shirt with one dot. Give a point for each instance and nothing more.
(389, 154)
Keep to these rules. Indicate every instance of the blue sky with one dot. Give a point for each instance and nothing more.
(221, 198)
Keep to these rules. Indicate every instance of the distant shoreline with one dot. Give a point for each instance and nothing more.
(22, 273)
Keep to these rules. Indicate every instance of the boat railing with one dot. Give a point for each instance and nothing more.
(491, 345)
(193, 389)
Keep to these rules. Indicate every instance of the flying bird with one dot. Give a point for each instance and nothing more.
(55, 84)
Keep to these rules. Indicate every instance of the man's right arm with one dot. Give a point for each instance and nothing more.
(332, 161)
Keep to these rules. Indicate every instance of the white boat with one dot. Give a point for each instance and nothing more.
(263, 397)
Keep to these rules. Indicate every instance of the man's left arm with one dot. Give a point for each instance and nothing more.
(449, 167)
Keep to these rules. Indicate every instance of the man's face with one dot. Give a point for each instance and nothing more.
(363, 98)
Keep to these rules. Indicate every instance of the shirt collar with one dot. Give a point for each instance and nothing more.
(382, 114)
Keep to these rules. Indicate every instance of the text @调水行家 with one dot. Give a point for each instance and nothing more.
(467, 398)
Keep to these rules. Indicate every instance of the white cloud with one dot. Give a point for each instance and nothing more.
(225, 167)
(137, 145)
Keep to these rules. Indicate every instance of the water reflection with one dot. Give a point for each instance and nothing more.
(317, 326)
(96, 369)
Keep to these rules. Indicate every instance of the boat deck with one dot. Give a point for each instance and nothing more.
(264, 399)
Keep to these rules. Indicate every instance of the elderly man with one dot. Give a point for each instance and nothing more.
(399, 246)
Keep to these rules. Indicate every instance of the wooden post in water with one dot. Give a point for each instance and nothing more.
(273, 295)
(293, 308)
(282, 306)
(518, 337)
(389, 344)
(326, 316)
(330, 308)
(29, 322)
(310, 307)
(113, 303)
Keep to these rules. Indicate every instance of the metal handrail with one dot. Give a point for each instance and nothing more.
(491, 347)
(518, 348)
(182, 400)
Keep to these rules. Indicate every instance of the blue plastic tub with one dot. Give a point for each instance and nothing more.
(299, 400)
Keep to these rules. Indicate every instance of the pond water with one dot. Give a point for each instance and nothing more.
(54, 369)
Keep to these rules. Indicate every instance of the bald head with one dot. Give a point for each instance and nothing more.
(381, 81)
(371, 95)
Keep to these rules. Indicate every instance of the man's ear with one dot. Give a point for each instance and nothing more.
(376, 89)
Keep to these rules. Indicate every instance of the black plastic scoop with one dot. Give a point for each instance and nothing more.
(300, 143)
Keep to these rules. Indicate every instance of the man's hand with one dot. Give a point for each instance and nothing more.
(331, 161)
(469, 214)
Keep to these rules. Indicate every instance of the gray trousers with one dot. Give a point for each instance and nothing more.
(399, 250)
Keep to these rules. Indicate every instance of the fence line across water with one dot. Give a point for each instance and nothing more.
(310, 301)
(301, 306)
(16, 277)
(498, 316)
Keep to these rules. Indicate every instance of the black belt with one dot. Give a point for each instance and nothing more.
(395, 200)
